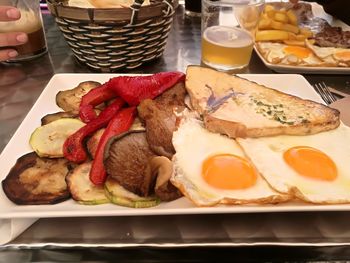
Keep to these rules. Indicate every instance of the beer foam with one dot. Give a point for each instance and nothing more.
(28, 23)
(228, 36)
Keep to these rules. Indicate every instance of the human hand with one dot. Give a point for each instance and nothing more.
(10, 39)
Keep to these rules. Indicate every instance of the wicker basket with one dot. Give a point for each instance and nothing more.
(107, 40)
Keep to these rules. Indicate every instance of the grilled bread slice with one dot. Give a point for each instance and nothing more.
(241, 108)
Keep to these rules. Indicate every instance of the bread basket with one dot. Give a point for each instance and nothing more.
(112, 39)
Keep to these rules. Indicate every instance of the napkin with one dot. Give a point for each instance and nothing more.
(343, 105)
(11, 228)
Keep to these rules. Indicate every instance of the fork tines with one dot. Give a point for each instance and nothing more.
(325, 93)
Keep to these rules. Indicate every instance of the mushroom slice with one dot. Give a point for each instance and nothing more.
(162, 168)
(126, 159)
(36, 181)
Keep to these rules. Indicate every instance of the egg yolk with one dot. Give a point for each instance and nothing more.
(310, 162)
(228, 171)
(343, 55)
(300, 52)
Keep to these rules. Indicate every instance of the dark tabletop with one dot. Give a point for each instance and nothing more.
(20, 86)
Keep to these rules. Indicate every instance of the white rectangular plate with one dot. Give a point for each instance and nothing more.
(301, 69)
(18, 145)
(318, 11)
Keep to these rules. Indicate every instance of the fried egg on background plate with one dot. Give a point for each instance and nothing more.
(211, 168)
(315, 168)
(278, 53)
(331, 55)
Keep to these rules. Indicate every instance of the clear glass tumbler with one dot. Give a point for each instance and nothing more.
(228, 32)
(193, 8)
(30, 23)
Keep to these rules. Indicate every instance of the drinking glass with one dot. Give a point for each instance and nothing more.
(30, 23)
(193, 8)
(228, 28)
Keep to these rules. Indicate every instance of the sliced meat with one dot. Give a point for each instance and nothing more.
(173, 97)
(333, 37)
(36, 181)
(126, 160)
(159, 118)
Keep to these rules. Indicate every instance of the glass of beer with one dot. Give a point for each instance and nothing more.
(30, 23)
(228, 32)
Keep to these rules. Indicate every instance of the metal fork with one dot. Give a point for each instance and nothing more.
(325, 93)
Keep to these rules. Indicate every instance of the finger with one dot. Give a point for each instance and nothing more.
(9, 13)
(13, 39)
(6, 54)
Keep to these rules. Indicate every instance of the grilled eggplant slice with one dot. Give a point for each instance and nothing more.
(58, 115)
(120, 196)
(69, 100)
(37, 181)
(48, 140)
(82, 189)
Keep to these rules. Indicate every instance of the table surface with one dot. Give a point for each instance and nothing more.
(20, 86)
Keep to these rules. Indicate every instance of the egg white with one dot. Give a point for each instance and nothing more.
(267, 155)
(274, 53)
(194, 144)
(331, 55)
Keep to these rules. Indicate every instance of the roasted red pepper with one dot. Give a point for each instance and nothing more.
(120, 123)
(136, 89)
(93, 98)
(73, 149)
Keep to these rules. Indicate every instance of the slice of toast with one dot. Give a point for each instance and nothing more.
(241, 108)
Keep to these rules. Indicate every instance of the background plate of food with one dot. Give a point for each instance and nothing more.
(302, 38)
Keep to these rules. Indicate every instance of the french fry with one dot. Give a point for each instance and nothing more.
(264, 23)
(271, 35)
(281, 17)
(306, 32)
(271, 13)
(268, 8)
(285, 27)
(300, 37)
(292, 17)
(294, 42)
(292, 36)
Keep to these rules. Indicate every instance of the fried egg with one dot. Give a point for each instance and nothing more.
(210, 169)
(331, 55)
(314, 168)
(278, 53)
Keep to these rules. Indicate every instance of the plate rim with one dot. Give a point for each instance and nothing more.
(124, 211)
(301, 69)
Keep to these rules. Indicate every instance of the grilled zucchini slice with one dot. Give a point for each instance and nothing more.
(48, 140)
(120, 196)
(82, 189)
